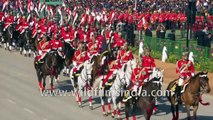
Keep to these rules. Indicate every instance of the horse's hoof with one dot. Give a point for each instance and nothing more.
(113, 116)
(105, 114)
(174, 118)
(80, 106)
(29, 55)
(91, 107)
(108, 113)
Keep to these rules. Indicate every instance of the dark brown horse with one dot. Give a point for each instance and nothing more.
(147, 99)
(52, 66)
(197, 85)
(68, 51)
(7, 37)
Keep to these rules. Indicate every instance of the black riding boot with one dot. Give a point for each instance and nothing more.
(178, 91)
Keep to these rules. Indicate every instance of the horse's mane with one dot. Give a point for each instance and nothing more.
(124, 67)
(192, 79)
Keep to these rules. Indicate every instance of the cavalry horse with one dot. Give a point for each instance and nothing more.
(7, 37)
(194, 89)
(84, 81)
(68, 51)
(52, 66)
(122, 80)
(26, 43)
(147, 95)
(101, 62)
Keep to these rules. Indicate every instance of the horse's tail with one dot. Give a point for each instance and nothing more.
(202, 103)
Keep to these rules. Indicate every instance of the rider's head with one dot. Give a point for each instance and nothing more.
(185, 55)
(148, 50)
(125, 46)
(80, 46)
(139, 63)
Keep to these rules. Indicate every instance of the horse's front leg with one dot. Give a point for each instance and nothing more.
(79, 92)
(188, 111)
(109, 105)
(74, 86)
(127, 107)
(89, 91)
(195, 112)
(173, 112)
(114, 106)
(51, 83)
(44, 83)
(177, 111)
(56, 78)
(39, 79)
(103, 106)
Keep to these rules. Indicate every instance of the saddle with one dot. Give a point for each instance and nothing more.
(173, 88)
(109, 84)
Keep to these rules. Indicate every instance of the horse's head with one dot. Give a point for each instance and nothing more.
(132, 64)
(113, 53)
(88, 65)
(54, 58)
(157, 76)
(204, 82)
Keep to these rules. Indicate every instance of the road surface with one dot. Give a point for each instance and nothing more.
(20, 98)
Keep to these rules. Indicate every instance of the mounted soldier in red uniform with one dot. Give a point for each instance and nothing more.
(139, 75)
(185, 70)
(148, 62)
(80, 56)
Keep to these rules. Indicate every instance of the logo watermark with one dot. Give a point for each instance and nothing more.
(102, 92)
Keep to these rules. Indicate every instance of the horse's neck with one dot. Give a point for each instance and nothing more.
(128, 72)
(148, 87)
(118, 83)
(194, 84)
(83, 73)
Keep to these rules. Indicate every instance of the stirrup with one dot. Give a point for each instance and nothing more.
(126, 99)
(108, 84)
(40, 61)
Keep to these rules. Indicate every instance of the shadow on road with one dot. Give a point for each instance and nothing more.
(64, 85)
(200, 117)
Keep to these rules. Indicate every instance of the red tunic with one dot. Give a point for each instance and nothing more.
(125, 56)
(80, 57)
(93, 48)
(115, 65)
(148, 63)
(184, 71)
(139, 75)
(43, 46)
(55, 44)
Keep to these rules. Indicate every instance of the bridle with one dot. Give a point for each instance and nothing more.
(203, 86)
(85, 76)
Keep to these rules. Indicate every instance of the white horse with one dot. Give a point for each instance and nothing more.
(123, 78)
(84, 80)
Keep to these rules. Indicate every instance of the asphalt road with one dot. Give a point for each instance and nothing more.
(20, 98)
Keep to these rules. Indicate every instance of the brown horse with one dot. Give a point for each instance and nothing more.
(52, 67)
(198, 85)
(69, 51)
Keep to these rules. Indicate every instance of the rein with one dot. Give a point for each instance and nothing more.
(102, 54)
